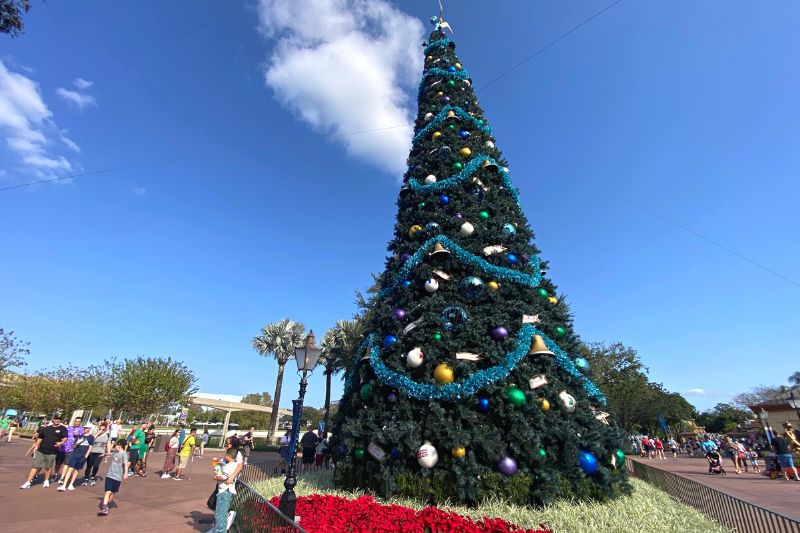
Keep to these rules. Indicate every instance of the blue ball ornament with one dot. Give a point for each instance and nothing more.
(395, 453)
(454, 317)
(509, 230)
(588, 462)
(483, 405)
(388, 340)
(444, 200)
(406, 283)
(472, 287)
(451, 69)
(512, 259)
(463, 134)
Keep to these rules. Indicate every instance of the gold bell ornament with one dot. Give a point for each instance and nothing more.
(439, 250)
(552, 299)
(464, 152)
(414, 229)
(459, 452)
(436, 135)
(545, 405)
(539, 347)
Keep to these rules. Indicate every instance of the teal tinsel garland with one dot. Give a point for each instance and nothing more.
(470, 168)
(441, 116)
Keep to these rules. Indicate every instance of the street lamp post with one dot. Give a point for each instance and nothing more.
(306, 357)
(795, 403)
(764, 416)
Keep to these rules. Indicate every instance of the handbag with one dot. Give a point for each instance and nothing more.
(212, 500)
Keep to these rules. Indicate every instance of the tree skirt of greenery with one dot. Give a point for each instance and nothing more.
(647, 508)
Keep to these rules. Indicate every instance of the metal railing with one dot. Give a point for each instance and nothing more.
(253, 472)
(255, 514)
(733, 513)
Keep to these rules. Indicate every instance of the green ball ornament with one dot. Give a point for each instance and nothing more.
(437, 336)
(560, 332)
(543, 293)
(451, 83)
(458, 166)
(422, 204)
(480, 122)
(542, 453)
(484, 215)
(451, 126)
(515, 396)
(366, 391)
(620, 455)
(358, 453)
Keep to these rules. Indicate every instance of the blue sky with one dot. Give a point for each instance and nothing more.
(260, 204)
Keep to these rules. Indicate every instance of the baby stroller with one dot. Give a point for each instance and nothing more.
(715, 463)
(774, 470)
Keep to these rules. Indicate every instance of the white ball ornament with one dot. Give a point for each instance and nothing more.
(430, 179)
(489, 144)
(431, 285)
(428, 116)
(427, 456)
(467, 229)
(414, 358)
(567, 400)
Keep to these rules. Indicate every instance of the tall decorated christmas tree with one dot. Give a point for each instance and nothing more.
(464, 385)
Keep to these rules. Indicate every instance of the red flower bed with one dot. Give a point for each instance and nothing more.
(333, 514)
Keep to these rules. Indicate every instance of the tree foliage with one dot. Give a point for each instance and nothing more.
(11, 12)
(258, 398)
(12, 351)
(724, 417)
(148, 385)
(634, 400)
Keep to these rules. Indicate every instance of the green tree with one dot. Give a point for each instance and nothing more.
(147, 385)
(11, 12)
(794, 379)
(723, 417)
(462, 323)
(338, 346)
(258, 398)
(278, 340)
(12, 351)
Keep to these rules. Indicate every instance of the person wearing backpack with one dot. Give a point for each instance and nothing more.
(171, 447)
(184, 454)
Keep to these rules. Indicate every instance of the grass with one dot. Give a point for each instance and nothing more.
(647, 508)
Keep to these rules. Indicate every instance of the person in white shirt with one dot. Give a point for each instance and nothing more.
(226, 488)
(114, 430)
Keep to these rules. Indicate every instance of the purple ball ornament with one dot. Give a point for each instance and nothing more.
(499, 333)
(399, 314)
(445, 99)
(458, 216)
(507, 466)
(524, 259)
(405, 257)
(391, 397)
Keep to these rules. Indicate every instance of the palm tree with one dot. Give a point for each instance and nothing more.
(794, 379)
(338, 349)
(279, 341)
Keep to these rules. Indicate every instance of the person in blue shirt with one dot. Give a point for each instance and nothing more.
(708, 445)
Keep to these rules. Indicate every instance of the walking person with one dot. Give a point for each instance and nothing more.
(4, 425)
(100, 448)
(673, 447)
(12, 427)
(44, 449)
(117, 472)
(114, 429)
(659, 446)
(76, 462)
(646, 447)
(172, 452)
(321, 451)
(203, 442)
(226, 489)
(752, 456)
(247, 444)
(785, 457)
(74, 432)
(283, 451)
(138, 460)
(741, 452)
(184, 454)
(309, 444)
(732, 452)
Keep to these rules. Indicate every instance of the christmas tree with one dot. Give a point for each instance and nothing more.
(464, 386)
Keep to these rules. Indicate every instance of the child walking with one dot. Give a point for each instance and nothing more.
(117, 471)
(752, 456)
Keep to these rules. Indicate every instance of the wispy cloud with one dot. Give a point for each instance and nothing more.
(139, 191)
(83, 84)
(344, 66)
(74, 97)
(27, 126)
(698, 391)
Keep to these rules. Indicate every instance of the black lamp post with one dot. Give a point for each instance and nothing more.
(795, 403)
(307, 357)
(764, 416)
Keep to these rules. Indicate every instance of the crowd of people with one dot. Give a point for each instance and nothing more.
(744, 454)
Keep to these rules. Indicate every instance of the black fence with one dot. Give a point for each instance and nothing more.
(253, 472)
(255, 514)
(733, 513)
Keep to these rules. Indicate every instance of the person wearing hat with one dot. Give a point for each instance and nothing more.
(44, 449)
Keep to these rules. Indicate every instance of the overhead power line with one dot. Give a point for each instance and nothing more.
(69, 177)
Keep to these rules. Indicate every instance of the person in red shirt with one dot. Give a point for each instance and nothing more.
(647, 447)
(659, 446)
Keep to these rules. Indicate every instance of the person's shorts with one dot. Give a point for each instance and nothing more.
(786, 460)
(76, 461)
(44, 461)
(61, 456)
(246, 451)
(183, 461)
(112, 485)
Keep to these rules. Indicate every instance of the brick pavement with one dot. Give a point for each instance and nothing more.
(777, 495)
(143, 504)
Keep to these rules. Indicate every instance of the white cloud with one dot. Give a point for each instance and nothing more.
(139, 191)
(696, 392)
(27, 126)
(82, 84)
(345, 66)
(79, 99)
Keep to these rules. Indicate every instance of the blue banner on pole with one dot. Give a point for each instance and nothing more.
(321, 427)
(297, 411)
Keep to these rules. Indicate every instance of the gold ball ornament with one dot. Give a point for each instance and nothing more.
(552, 299)
(440, 93)
(459, 452)
(493, 285)
(443, 373)
(436, 135)
(457, 65)
(414, 229)
(464, 152)
(545, 405)
(429, 58)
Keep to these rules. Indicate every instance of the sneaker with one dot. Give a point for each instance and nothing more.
(165, 476)
(62, 488)
(71, 487)
(103, 511)
(60, 481)
(92, 483)
(178, 478)
(25, 485)
(46, 483)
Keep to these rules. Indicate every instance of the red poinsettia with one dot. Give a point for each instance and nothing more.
(321, 513)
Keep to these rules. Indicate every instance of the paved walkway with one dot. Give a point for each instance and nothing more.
(143, 504)
(777, 495)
